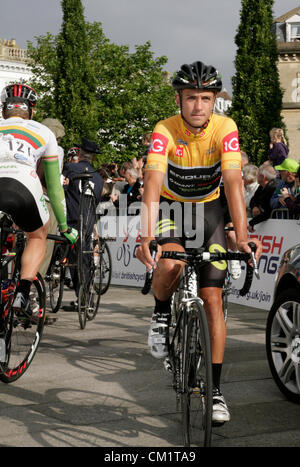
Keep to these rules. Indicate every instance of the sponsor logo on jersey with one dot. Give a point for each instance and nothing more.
(179, 151)
(20, 157)
(159, 144)
(181, 141)
(231, 142)
(210, 151)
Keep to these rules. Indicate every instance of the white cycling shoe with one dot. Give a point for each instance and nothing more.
(235, 269)
(220, 412)
(158, 335)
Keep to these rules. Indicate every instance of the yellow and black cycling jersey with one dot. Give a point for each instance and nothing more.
(193, 164)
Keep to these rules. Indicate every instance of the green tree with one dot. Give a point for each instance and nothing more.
(257, 96)
(134, 94)
(98, 89)
(74, 81)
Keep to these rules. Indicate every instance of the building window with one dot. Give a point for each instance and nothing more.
(295, 32)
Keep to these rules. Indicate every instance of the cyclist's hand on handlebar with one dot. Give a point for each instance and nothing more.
(143, 254)
(244, 247)
(71, 234)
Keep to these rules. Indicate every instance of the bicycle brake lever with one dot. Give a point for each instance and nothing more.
(255, 266)
(153, 251)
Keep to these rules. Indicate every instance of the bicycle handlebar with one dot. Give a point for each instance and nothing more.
(201, 256)
(57, 238)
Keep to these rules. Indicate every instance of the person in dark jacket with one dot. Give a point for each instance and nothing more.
(278, 150)
(260, 202)
(86, 154)
(133, 189)
(88, 149)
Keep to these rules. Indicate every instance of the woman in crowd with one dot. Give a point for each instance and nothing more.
(278, 150)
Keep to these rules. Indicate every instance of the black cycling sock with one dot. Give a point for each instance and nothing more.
(216, 374)
(162, 306)
(24, 287)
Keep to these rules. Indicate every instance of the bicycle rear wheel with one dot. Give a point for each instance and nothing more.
(23, 336)
(196, 391)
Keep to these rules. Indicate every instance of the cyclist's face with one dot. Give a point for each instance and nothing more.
(197, 106)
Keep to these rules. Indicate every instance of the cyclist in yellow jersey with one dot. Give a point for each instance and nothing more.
(23, 142)
(189, 155)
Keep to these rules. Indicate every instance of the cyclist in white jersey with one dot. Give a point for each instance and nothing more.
(23, 142)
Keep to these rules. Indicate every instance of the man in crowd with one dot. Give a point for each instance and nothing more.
(260, 202)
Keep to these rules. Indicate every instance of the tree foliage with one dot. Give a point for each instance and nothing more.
(98, 89)
(257, 96)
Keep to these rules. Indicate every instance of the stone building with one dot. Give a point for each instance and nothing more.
(287, 32)
(12, 63)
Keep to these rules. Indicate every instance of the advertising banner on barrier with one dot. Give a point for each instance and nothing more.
(125, 234)
(276, 237)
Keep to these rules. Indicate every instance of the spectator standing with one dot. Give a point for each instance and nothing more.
(288, 170)
(250, 183)
(260, 202)
(133, 187)
(245, 159)
(292, 200)
(278, 150)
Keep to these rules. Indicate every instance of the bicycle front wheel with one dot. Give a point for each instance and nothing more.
(196, 394)
(105, 267)
(87, 220)
(82, 306)
(56, 278)
(23, 336)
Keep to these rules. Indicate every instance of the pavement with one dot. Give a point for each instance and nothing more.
(100, 387)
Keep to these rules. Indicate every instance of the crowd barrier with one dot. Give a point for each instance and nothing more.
(276, 237)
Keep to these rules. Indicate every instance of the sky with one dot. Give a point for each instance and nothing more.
(183, 31)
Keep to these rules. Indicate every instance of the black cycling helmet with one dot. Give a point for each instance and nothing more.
(19, 92)
(197, 76)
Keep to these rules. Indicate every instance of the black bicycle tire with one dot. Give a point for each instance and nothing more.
(104, 288)
(195, 346)
(55, 304)
(84, 210)
(81, 308)
(11, 373)
(93, 293)
(275, 347)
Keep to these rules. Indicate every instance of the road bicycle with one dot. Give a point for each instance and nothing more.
(19, 336)
(89, 251)
(189, 360)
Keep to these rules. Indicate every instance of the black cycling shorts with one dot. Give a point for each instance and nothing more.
(195, 225)
(18, 201)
